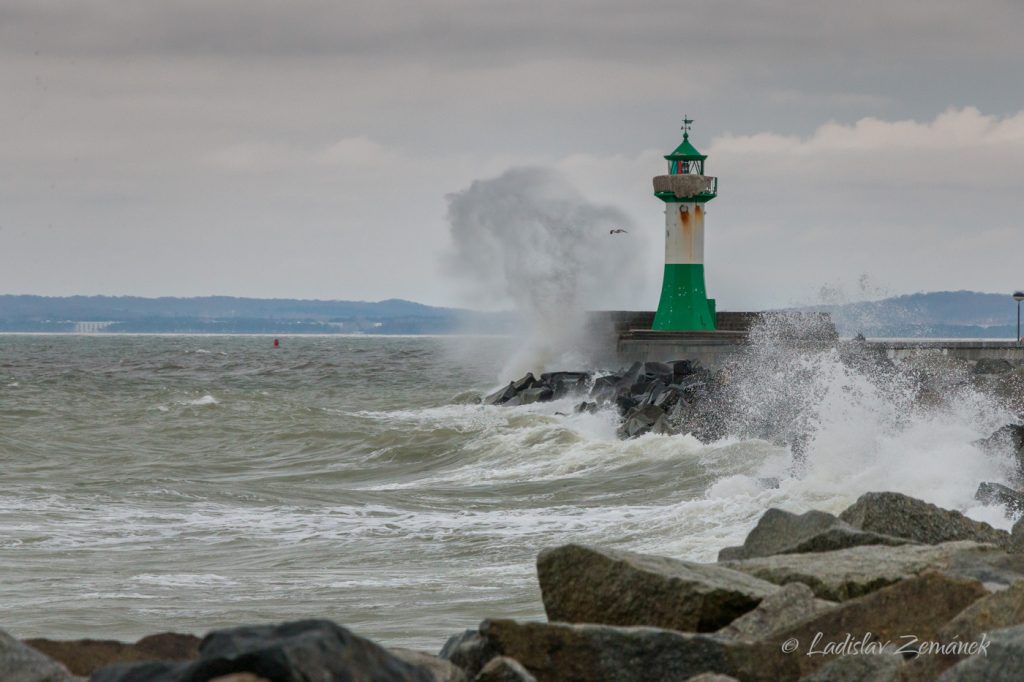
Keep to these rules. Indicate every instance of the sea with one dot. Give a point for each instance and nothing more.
(187, 483)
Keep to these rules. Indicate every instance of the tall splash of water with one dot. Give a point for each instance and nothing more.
(854, 421)
(529, 239)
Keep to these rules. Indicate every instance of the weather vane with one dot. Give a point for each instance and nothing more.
(687, 122)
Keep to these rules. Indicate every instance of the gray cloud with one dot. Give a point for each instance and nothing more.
(305, 148)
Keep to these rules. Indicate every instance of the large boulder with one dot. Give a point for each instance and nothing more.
(1007, 440)
(586, 585)
(564, 652)
(565, 383)
(537, 394)
(897, 514)
(291, 652)
(996, 611)
(469, 651)
(502, 395)
(850, 573)
(917, 606)
(605, 387)
(782, 532)
(85, 656)
(792, 604)
(643, 419)
(659, 371)
(21, 663)
(681, 369)
(999, 494)
(1002, 660)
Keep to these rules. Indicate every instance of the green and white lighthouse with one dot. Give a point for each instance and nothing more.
(684, 304)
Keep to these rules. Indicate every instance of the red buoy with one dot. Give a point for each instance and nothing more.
(277, 343)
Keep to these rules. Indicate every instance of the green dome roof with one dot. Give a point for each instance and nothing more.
(686, 151)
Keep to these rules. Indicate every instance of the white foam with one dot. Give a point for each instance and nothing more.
(183, 579)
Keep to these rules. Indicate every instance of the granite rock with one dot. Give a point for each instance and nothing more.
(897, 514)
(586, 585)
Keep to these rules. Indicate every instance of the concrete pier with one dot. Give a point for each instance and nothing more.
(711, 348)
(964, 349)
(635, 341)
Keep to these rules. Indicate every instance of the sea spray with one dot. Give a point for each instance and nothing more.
(854, 421)
(528, 239)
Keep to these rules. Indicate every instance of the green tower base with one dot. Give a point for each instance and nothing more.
(684, 304)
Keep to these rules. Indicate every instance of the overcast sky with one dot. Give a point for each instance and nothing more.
(305, 149)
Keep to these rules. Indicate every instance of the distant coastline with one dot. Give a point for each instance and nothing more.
(944, 314)
(231, 315)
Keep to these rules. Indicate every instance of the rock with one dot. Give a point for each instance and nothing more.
(782, 532)
(653, 392)
(641, 420)
(501, 396)
(992, 366)
(997, 493)
(588, 407)
(711, 677)
(860, 668)
(21, 663)
(641, 386)
(659, 371)
(1002, 660)
(442, 669)
(906, 517)
(625, 404)
(85, 656)
(585, 585)
(850, 573)
(1017, 537)
(540, 394)
(843, 538)
(564, 652)
(289, 652)
(684, 368)
(1001, 609)
(604, 387)
(504, 669)
(469, 651)
(662, 426)
(791, 604)
(565, 383)
(1009, 438)
(528, 381)
(667, 397)
(917, 606)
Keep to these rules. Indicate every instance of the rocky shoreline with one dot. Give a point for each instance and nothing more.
(892, 589)
(682, 397)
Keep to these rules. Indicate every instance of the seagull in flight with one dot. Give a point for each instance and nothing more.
(617, 230)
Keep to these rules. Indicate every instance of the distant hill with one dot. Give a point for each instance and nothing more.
(226, 314)
(949, 314)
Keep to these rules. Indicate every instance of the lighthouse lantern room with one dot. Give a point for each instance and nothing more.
(684, 304)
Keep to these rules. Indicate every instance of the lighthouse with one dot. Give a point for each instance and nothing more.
(684, 304)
